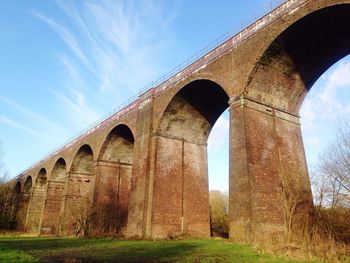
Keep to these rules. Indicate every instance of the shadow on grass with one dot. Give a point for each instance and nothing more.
(30, 244)
(97, 250)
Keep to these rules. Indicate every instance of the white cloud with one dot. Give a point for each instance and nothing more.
(14, 124)
(312, 141)
(324, 102)
(218, 134)
(325, 105)
(34, 123)
(308, 115)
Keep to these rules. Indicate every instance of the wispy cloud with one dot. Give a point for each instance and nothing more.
(14, 124)
(65, 35)
(115, 47)
(33, 123)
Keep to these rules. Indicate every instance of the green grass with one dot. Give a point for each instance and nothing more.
(22, 249)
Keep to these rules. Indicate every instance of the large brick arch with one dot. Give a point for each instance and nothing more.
(163, 99)
(113, 178)
(111, 143)
(54, 198)
(180, 187)
(203, 99)
(78, 190)
(268, 151)
(298, 56)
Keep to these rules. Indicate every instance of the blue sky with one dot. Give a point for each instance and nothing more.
(65, 64)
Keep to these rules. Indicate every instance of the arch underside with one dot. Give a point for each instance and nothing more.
(299, 56)
(113, 177)
(181, 201)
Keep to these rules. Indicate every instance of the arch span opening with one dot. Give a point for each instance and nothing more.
(41, 179)
(28, 185)
(114, 169)
(54, 198)
(37, 202)
(76, 205)
(18, 188)
(24, 203)
(83, 160)
(181, 196)
(218, 175)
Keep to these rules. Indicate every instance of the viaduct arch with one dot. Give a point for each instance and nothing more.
(54, 197)
(113, 179)
(152, 153)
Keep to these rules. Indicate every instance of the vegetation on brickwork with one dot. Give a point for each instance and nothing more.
(325, 231)
(219, 220)
(8, 208)
(109, 217)
(108, 250)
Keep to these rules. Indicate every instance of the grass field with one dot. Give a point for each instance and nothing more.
(21, 249)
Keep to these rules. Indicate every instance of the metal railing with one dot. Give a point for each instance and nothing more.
(190, 65)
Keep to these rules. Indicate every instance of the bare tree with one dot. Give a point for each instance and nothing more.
(331, 186)
(109, 214)
(218, 213)
(334, 170)
(8, 202)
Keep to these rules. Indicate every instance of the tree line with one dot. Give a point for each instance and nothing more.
(8, 202)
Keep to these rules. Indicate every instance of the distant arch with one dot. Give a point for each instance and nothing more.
(83, 160)
(118, 145)
(28, 185)
(59, 170)
(18, 188)
(41, 178)
(37, 201)
(54, 198)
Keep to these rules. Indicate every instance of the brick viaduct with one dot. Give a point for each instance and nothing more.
(143, 171)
